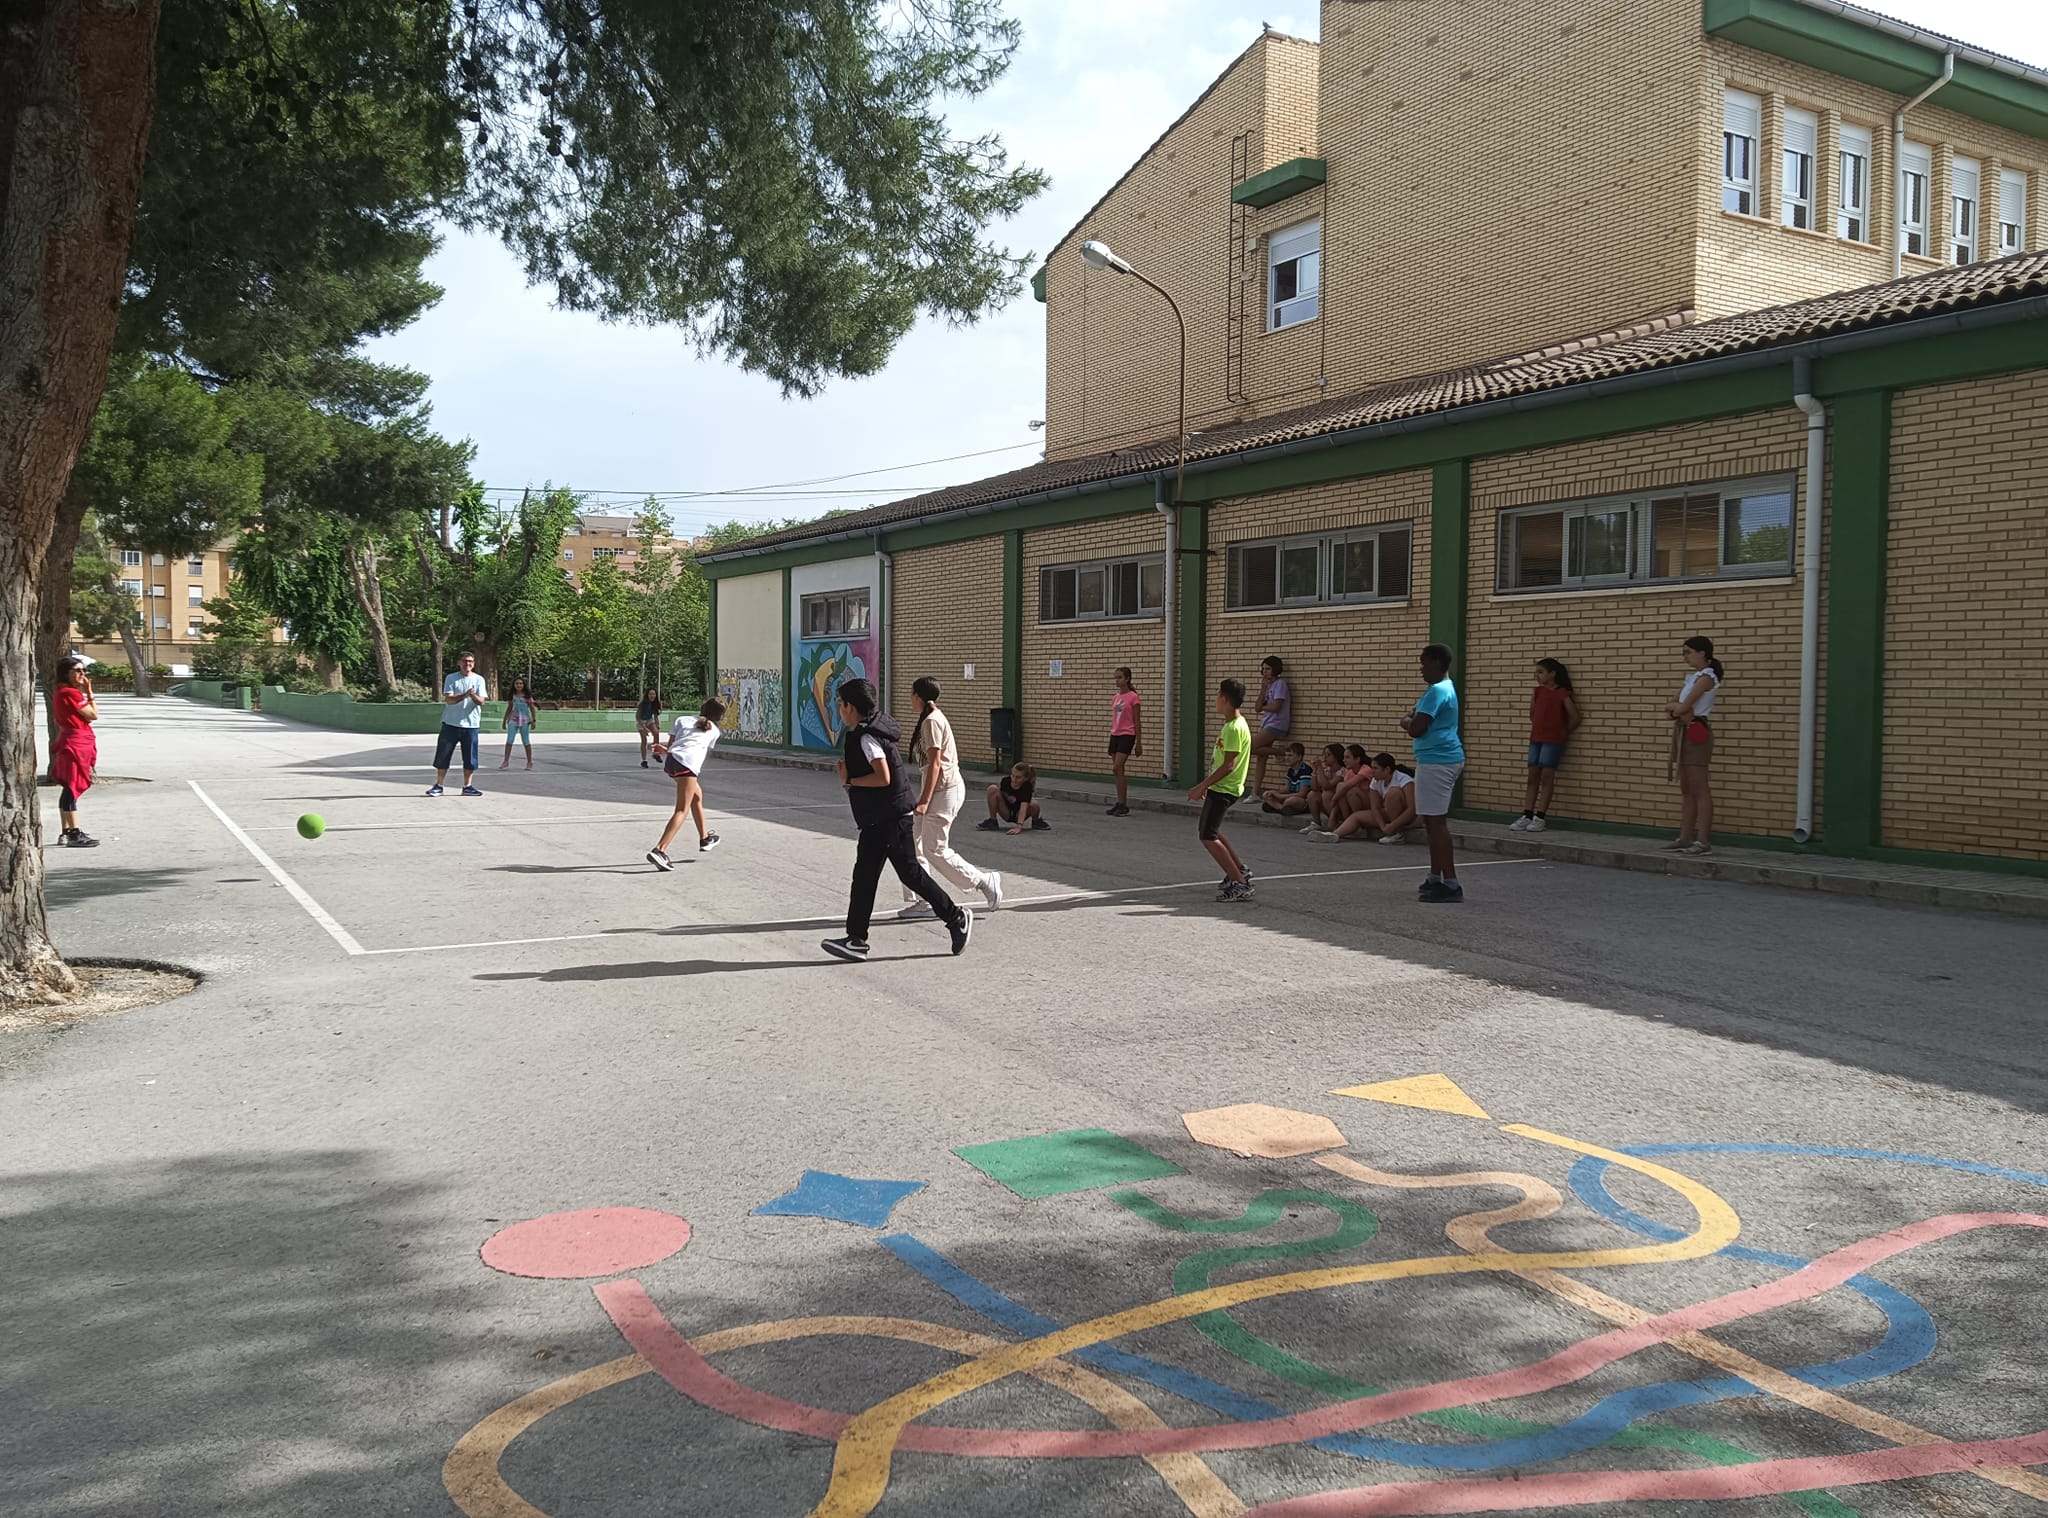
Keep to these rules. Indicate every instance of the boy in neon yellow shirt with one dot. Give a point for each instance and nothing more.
(1224, 788)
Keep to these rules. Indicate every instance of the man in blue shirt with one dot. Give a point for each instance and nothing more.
(1439, 760)
(463, 695)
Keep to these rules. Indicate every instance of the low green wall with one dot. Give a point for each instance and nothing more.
(339, 711)
(217, 692)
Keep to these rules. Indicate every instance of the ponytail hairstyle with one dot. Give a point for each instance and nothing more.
(1706, 646)
(1356, 751)
(710, 714)
(926, 689)
(1559, 675)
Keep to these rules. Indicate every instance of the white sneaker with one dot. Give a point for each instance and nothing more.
(1313, 827)
(1536, 825)
(1520, 824)
(916, 910)
(992, 891)
(1390, 838)
(1323, 835)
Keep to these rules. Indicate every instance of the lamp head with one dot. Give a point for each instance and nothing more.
(1099, 255)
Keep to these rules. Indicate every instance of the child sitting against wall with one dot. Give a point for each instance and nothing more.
(1389, 808)
(1354, 795)
(1300, 775)
(1330, 773)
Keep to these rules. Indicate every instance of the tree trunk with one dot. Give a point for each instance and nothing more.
(486, 660)
(53, 601)
(329, 671)
(361, 564)
(597, 686)
(438, 641)
(77, 84)
(138, 662)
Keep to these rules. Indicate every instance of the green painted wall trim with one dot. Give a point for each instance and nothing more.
(1038, 286)
(788, 666)
(1192, 710)
(1934, 360)
(1855, 50)
(1013, 625)
(1281, 181)
(1859, 516)
(1990, 864)
(1450, 521)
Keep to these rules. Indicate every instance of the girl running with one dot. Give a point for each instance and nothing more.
(74, 751)
(1692, 747)
(682, 759)
(1553, 718)
(518, 721)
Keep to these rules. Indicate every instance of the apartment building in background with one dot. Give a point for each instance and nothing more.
(170, 592)
(598, 535)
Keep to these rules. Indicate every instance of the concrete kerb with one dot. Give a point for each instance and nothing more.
(1905, 885)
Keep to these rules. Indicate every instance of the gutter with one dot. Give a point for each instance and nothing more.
(2031, 308)
(1934, 42)
(1948, 72)
(1809, 602)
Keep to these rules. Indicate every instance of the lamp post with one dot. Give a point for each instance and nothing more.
(1099, 255)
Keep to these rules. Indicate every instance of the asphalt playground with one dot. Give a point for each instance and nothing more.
(490, 1172)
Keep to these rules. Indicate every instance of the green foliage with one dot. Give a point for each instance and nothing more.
(160, 468)
(305, 586)
(99, 605)
(600, 626)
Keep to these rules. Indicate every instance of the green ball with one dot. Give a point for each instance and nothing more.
(312, 825)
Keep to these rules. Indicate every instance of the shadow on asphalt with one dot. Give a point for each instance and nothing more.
(578, 869)
(656, 969)
(69, 886)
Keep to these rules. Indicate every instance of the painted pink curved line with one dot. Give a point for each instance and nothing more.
(649, 1331)
(1507, 1494)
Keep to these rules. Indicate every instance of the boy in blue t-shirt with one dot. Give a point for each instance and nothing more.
(1439, 760)
(1299, 776)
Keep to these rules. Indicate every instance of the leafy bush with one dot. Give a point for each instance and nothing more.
(404, 690)
(112, 676)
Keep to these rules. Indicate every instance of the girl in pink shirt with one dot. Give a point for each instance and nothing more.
(1126, 737)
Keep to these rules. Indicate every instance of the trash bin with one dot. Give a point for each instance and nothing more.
(1003, 731)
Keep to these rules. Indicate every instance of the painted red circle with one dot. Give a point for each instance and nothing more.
(596, 1241)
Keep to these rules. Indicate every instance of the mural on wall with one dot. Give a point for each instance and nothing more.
(822, 663)
(753, 703)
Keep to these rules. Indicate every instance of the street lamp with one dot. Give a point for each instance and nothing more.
(1099, 255)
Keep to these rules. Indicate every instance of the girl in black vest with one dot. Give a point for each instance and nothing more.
(879, 790)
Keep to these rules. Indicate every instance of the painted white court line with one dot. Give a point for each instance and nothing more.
(799, 924)
(643, 816)
(313, 908)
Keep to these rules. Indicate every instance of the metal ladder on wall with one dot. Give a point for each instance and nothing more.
(1234, 306)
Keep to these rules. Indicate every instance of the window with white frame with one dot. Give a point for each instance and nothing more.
(1802, 147)
(1321, 569)
(158, 592)
(196, 564)
(1916, 172)
(2012, 211)
(157, 559)
(1099, 589)
(1713, 532)
(194, 628)
(133, 587)
(834, 614)
(1966, 198)
(1741, 120)
(131, 558)
(195, 595)
(1852, 185)
(1294, 260)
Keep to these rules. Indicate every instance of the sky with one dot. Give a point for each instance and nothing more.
(619, 411)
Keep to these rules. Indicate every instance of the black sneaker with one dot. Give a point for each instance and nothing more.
(707, 843)
(963, 929)
(1119, 810)
(659, 860)
(988, 825)
(78, 838)
(1040, 825)
(1234, 890)
(846, 948)
(1441, 890)
(643, 764)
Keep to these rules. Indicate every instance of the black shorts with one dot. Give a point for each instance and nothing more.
(1123, 743)
(1215, 807)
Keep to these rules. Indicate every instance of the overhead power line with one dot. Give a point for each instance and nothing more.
(787, 485)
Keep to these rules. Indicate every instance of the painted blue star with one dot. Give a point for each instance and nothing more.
(821, 1194)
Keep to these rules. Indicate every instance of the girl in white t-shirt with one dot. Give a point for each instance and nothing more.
(1389, 803)
(682, 758)
(1692, 747)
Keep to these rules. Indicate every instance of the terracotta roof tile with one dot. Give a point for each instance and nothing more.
(1661, 343)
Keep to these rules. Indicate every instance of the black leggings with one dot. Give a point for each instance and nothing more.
(66, 802)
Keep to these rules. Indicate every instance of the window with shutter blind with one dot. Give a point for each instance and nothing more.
(1916, 172)
(1322, 569)
(1966, 190)
(1802, 143)
(1852, 186)
(2012, 211)
(1741, 121)
(1102, 590)
(1294, 275)
(1713, 532)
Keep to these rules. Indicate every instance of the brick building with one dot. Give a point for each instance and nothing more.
(1565, 330)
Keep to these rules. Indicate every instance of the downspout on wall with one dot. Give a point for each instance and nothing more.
(1171, 674)
(1948, 72)
(1809, 603)
(887, 611)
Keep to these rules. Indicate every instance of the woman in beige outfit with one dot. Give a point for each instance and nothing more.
(939, 800)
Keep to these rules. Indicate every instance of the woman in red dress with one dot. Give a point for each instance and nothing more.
(74, 751)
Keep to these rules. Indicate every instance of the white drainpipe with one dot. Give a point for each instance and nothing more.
(888, 672)
(1172, 520)
(1948, 72)
(1809, 608)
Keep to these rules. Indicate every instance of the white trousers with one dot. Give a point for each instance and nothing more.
(935, 840)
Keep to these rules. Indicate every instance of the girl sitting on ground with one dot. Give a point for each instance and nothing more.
(1355, 794)
(1329, 774)
(1009, 802)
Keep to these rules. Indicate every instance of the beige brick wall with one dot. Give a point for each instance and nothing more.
(1066, 720)
(1622, 647)
(946, 611)
(1966, 612)
(1351, 670)
(1749, 262)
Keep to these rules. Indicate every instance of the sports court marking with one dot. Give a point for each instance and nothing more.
(642, 817)
(299, 893)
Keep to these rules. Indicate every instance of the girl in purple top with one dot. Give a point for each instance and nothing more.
(1276, 716)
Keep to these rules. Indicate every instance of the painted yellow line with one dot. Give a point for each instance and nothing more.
(861, 1465)
(476, 1485)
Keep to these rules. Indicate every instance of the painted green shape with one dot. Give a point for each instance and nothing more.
(1053, 1164)
(1038, 285)
(1859, 513)
(1356, 1226)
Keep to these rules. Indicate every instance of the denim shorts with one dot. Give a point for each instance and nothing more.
(452, 738)
(1545, 756)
